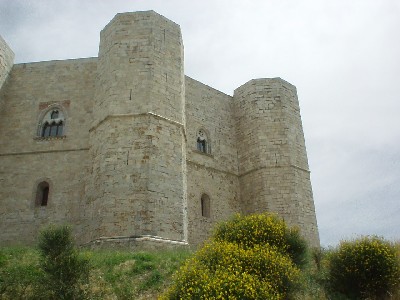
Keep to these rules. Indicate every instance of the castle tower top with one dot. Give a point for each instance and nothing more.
(141, 66)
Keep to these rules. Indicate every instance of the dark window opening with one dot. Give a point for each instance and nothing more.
(45, 196)
(202, 145)
(42, 194)
(52, 129)
(205, 206)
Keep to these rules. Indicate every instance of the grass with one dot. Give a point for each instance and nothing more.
(114, 274)
(132, 275)
(19, 269)
(127, 275)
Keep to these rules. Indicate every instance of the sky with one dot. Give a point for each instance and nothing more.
(343, 57)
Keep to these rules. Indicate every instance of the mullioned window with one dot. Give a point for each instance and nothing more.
(203, 142)
(52, 123)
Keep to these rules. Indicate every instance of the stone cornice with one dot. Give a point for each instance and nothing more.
(108, 117)
(210, 168)
(43, 151)
(274, 167)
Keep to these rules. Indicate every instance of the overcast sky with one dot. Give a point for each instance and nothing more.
(343, 57)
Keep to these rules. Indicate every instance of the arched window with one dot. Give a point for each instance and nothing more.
(205, 205)
(52, 123)
(203, 144)
(52, 129)
(42, 194)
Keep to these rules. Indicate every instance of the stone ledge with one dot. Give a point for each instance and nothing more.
(49, 138)
(43, 151)
(140, 242)
(203, 153)
(188, 161)
(274, 167)
(94, 127)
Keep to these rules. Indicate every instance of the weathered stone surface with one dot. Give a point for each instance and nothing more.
(142, 144)
(6, 61)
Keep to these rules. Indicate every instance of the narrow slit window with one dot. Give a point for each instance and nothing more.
(205, 206)
(45, 196)
(42, 194)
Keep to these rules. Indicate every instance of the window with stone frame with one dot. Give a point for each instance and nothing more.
(203, 142)
(52, 123)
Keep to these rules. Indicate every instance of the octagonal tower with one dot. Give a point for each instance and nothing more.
(137, 141)
(273, 166)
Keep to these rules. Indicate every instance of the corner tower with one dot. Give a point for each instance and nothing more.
(137, 142)
(273, 166)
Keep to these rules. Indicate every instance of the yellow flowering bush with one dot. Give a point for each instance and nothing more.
(264, 229)
(365, 268)
(250, 257)
(222, 270)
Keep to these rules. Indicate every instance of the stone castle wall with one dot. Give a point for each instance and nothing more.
(214, 174)
(6, 61)
(128, 163)
(26, 159)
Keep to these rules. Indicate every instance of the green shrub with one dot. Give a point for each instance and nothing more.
(222, 270)
(365, 268)
(264, 229)
(297, 247)
(65, 271)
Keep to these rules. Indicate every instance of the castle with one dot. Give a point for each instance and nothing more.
(124, 146)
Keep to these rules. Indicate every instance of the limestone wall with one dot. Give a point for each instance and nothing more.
(6, 61)
(214, 173)
(20, 219)
(136, 186)
(32, 89)
(26, 159)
